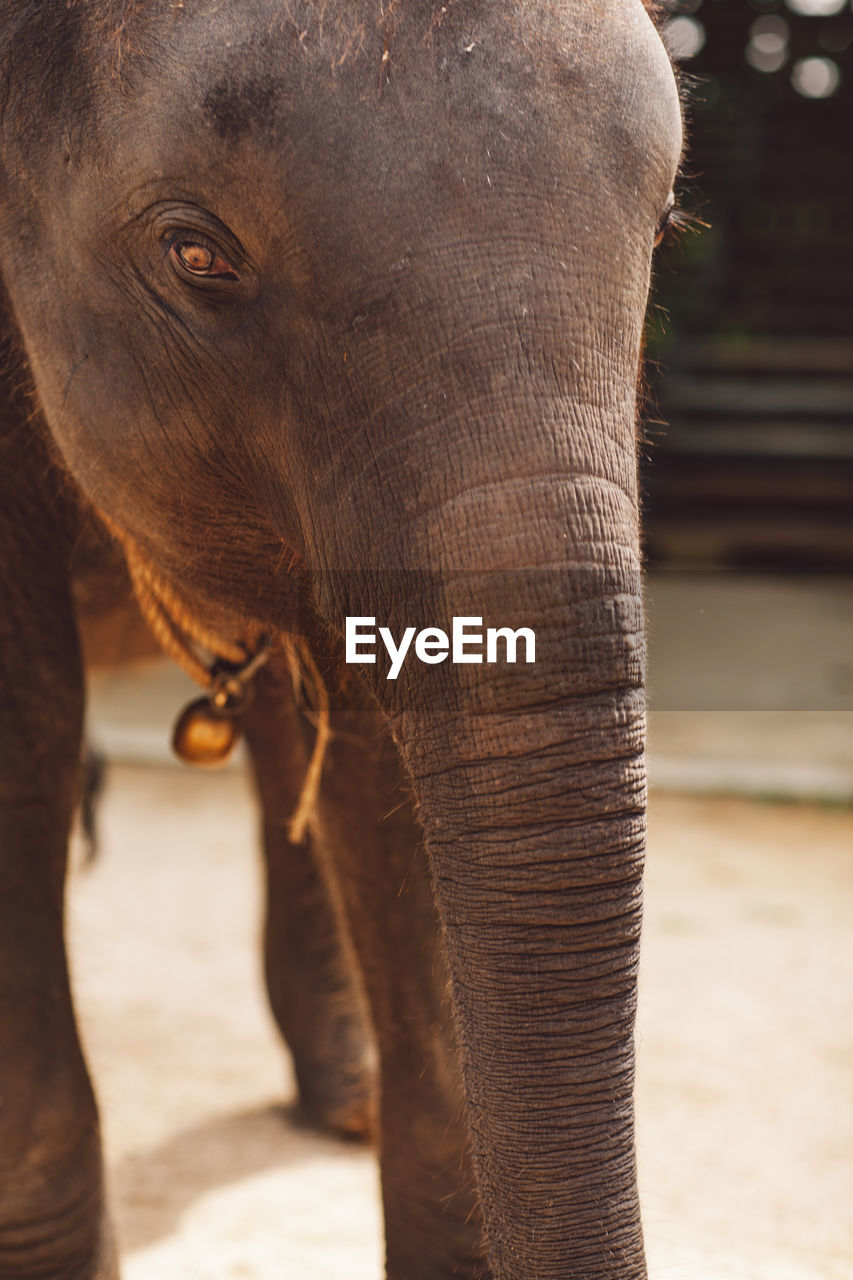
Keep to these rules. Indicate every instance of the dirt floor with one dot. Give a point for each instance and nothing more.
(745, 1101)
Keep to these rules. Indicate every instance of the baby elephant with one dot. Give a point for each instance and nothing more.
(325, 317)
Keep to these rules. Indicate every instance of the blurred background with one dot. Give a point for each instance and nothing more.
(745, 1084)
(749, 463)
(748, 446)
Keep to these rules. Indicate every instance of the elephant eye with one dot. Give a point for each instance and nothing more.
(676, 222)
(192, 257)
(666, 220)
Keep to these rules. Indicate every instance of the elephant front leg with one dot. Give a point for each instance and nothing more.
(312, 978)
(367, 834)
(52, 1219)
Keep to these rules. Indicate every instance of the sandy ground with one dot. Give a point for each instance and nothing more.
(745, 1104)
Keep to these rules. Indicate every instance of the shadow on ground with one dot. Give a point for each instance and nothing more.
(152, 1190)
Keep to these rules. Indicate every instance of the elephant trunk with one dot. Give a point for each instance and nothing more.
(530, 783)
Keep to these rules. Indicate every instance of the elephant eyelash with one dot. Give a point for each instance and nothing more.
(675, 224)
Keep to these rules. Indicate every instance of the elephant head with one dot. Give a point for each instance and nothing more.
(350, 296)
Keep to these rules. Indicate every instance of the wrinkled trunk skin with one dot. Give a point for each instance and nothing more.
(530, 786)
(534, 824)
(536, 847)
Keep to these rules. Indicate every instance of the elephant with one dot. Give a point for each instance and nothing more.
(327, 315)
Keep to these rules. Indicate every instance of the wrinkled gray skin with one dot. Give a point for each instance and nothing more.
(410, 395)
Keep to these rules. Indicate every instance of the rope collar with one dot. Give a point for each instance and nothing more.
(208, 730)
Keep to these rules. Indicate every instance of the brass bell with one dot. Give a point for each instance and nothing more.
(203, 735)
(208, 729)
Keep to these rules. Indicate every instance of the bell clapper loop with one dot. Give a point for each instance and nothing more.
(231, 691)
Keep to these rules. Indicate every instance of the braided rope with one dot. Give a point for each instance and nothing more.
(176, 628)
(302, 664)
(180, 618)
(163, 626)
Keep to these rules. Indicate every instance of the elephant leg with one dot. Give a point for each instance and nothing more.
(311, 975)
(367, 834)
(52, 1220)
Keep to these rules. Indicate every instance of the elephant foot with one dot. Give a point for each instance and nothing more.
(346, 1107)
(53, 1219)
(63, 1241)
